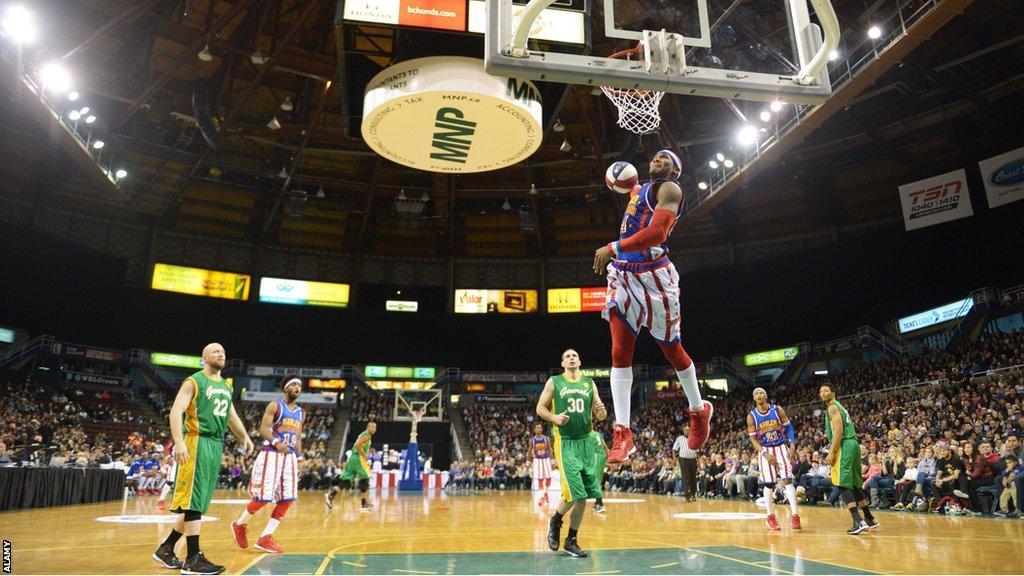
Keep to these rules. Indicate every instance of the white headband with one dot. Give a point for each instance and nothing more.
(292, 381)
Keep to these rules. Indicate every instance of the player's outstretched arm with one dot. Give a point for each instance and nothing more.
(181, 402)
(752, 434)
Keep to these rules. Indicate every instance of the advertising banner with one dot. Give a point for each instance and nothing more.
(93, 379)
(1003, 176)
(176, 360)
(304, 398)
(771, 356)
(401, 306)
(303, 292)
(300, 371)
(936, 200)
(589, 299)
(501, 398)
(201, 282)
(468, 301)
(936, 315)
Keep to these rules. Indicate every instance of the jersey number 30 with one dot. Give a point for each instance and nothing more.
(575, 405)
(220, 407)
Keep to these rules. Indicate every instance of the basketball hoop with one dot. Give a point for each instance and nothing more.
(638, 109)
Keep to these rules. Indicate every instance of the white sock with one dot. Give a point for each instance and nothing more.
(271, 526)
(791, 496)
(244, 518)
(622, 387)
(769, 498)
(688, 378)
(165, 491)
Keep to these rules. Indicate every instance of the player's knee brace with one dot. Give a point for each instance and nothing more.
(364, 485)
(192, 516)
(280, 510)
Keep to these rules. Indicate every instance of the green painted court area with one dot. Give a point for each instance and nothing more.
(706, 560)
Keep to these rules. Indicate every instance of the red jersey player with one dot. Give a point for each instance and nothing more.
(643, 292)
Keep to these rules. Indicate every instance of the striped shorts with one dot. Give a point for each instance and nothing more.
(275, 477)
(783, 469)
(541, 469)
(646, 299)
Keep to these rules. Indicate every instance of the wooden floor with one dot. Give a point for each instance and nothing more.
(505, 533)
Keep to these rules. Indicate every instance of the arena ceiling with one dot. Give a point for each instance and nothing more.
(953, 101)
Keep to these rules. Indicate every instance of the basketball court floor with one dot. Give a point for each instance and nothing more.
(502, 533)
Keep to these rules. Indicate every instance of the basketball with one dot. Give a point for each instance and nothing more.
(621, 177)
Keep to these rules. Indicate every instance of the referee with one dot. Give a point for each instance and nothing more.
(687, 464)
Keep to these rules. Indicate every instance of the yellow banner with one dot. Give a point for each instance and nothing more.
(564, 300)
(201, 282)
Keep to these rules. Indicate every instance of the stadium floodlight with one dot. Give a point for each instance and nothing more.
(121, 173)
(55, 77)
(874, 32)
(98, 145)
(729, 163)
(713, 164)
(766, 116)
(777, 105)
(73, 95)
(90, 119)
(720, 156)
(702, 185)
(747, 135)
(74, 115)
(18, 24)
(833, 56)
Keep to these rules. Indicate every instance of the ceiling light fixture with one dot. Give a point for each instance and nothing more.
(283, 173)
(777, 105)
(766, 116)
(505, 205)
(287, 104)
(98, 145)
(320, 192)
(274, 124)
(702, 185)
(121, 173)
(18, 24)
(728, 163)
(720, 156)
(833, 56)
(747, 135)
(55, 77)
(558, 127)
(874, 32)
(713, 164)
(90, 119)
(205, 55)
(74, 115)
(257, 57)
(73, 95)
(565, 147)
(533, 189)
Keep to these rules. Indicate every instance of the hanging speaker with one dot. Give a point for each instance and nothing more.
(202, 109)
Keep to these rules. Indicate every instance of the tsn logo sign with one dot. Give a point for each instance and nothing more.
(938, 199)
(935, 199)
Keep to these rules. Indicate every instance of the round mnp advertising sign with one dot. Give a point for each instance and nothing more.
(446, 114)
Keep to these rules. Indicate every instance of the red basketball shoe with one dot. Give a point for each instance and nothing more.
(622, 444)
(796, 522)
(700, 426)
(773, 524)
(241, 534)
(268, 544)
(161, 506)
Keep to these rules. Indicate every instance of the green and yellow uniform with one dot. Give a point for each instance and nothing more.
(600, 456)
(573, 444)
(846, 470)
(357, 466)
(205, 422)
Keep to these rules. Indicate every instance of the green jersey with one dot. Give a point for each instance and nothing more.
(207, 413)
(575, 399)
(359, 456)
(848, 430)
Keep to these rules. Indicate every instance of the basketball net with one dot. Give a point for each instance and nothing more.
(638, 109)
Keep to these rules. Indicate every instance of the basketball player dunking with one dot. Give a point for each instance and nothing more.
(766, 424)
(275, 474)
(643, 292)
(540, 447)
